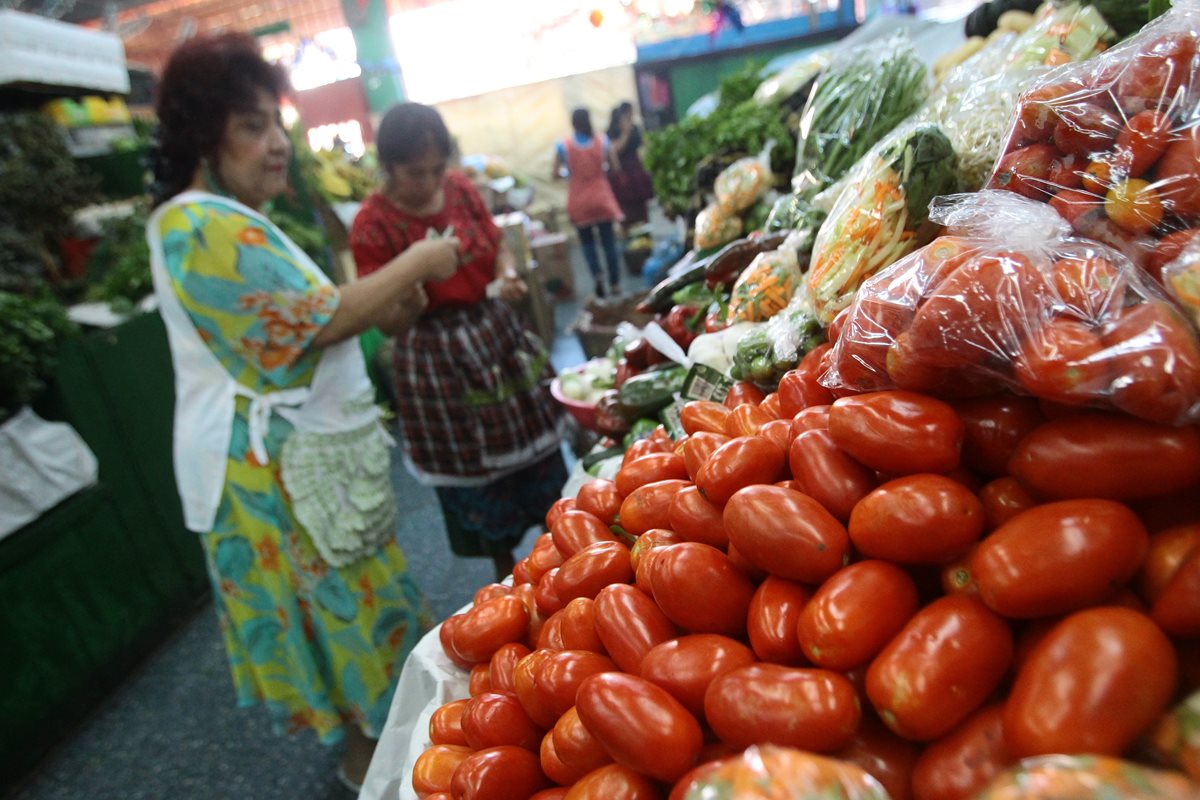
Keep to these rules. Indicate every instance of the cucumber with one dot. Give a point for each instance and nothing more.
(645, 394)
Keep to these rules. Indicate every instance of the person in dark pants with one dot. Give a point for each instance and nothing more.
(630, 181)
(591, 206)
(473, 402)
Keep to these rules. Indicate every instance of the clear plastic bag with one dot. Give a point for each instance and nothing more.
(715, 226)
(1181, 276)
(765, 287)
(1113, 142)
(1060, 777)
(864, 94)
(770, 772)
(744, 181)
(1010, 300)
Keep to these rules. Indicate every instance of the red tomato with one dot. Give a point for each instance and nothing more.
(445, 724)
(648, 545)
(544, 557)
(698, 448)
(739, 561)
(1177, 609)
(956, 577)
(498, 773)
(810, 418)
(644, 447)
(1144, 138)
(1026, 171)
(600, 498)
(811, 709)
(560, 506)
(591, 569)
(917, 519)
(962, 762)
(1095, 682)
(787, 533)
(575, 530)
(490, 590)
(1156, 356)
(546, 595)
(484, 628)
(547, 680)
(695, 519)
(898, 432)
(771, 623)
(492, 719)
(1178, 180)
(649, 469)
(1058, 557)
(573, 627)
(855, 613)
(641, 725)
(992, 428)
(629, 623)
(743, 392)
(503, 665)
(739, 462)
(480, 680)
(1168, 249)
(1168, 549)
(1074, 203)
(799, 388)
(687, 665)
(445, 637)
(780, 431)
(434, 769)
(1002, 500)
(696, 780)
(1062, 361)
(831, 477)
(1107, 455)
(553, 793)
(614, 782)
(745, 420)
(1085, 129)
(1036, 115)
(1156, 72)
(940, 667)
(552, 764)
(771, 406)
(703, 415)
(576, 747)
(884, 756)
(700, 590)
(649, 506)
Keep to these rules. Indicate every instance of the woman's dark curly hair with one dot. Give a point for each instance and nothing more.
(409, 131)
(205, 80)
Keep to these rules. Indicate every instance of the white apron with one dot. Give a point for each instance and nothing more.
(336, 461)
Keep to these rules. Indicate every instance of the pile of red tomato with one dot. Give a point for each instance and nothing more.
(927, 592)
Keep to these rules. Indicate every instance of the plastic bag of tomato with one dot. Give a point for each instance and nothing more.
(885, 595)
(1009, 299)
(1112, 142)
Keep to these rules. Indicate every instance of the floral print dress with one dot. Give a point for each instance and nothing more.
(319, 646)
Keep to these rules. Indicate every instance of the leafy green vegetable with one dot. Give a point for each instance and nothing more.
(1128, 16)
(118, 271)
(684, 159)
(859, 99)
(765, 353)
(31, 329)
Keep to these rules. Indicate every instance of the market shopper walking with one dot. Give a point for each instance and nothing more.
(630, 182)
(591, 205)
(280, 458)
(472, 385)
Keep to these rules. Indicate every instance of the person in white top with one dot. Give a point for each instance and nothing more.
(281, 461)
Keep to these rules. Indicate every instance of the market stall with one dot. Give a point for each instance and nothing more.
(899, 490)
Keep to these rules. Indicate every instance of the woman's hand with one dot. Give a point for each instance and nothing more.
(435, 259)
(512, 288)
(404, 312)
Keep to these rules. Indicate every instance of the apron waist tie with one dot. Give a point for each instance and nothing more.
(259, 414)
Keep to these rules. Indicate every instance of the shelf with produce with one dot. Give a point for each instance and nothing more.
(955, 437)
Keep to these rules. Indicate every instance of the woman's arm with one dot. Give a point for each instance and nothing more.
(560, 163)
(404, 312)
(369, 301)
(512, 288)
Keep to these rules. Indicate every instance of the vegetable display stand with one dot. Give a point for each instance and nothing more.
(89, 587)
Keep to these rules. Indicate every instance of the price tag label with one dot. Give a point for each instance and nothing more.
(706, 383)
(672, 422)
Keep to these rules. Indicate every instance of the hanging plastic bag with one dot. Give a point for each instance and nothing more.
(881, 215)
(1181, 276)
(1010, 300)
(1085, 778)
(765, 287)
(771, 772)
(744, 181)
(1113, 142)
(866, 92)
(715, 226)
(766, 353)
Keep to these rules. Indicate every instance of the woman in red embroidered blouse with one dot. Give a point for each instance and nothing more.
(472, 385)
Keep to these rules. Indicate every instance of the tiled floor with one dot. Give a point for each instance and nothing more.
(173, 732)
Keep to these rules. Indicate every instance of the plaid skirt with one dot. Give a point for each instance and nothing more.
(473, 396)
